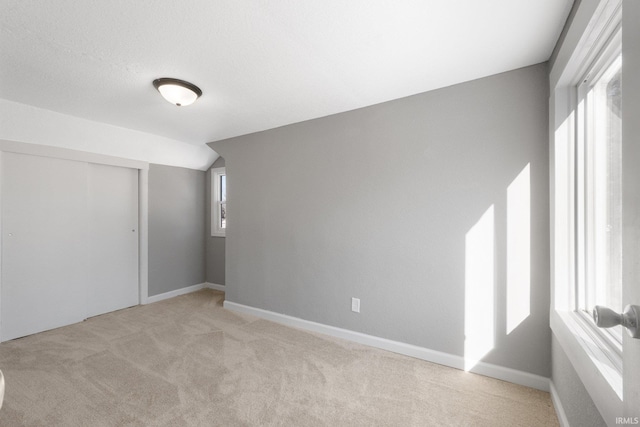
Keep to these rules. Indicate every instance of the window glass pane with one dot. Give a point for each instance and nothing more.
(607, 183)
(602, 195)
(223, 215)
(223, 188)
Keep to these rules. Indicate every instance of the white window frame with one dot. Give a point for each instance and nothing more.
(599, 368)
(606, 57)
(216, 230)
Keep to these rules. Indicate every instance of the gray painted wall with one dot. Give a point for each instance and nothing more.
(576, 402)
(376, 203)
(215, 244)
(176, 228)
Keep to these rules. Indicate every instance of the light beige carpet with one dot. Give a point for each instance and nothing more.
(189, 362)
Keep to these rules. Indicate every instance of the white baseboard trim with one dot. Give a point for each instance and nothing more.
(487, 369)
(557, 404)
(176, 293)
(215, 286)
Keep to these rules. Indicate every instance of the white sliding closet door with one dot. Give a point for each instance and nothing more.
(113, 239)
(44, 253)
(69, 242)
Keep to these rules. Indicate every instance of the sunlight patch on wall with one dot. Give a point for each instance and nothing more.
(518, 250)
(479, 315)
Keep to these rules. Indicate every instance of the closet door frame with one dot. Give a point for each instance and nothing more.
(143, 197)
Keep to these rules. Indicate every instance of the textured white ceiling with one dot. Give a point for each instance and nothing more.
(261, 64)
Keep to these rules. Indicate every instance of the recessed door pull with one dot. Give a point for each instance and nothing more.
(630, 318)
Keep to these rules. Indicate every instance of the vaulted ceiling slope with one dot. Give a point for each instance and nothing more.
(260, 64)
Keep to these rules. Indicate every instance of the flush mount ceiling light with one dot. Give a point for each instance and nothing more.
(177, 92)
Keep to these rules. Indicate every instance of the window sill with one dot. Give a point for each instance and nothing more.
(595, 366)
(218, 235)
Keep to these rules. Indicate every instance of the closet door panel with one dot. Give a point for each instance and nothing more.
(44, 253)
(113, 239)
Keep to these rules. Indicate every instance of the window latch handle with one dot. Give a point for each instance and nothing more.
(630, 318)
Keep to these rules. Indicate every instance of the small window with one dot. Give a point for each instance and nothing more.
(599, 188)
(218, 202)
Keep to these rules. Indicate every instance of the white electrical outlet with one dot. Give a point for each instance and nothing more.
(355, 305)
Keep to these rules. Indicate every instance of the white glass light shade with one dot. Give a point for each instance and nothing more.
(177, 92)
